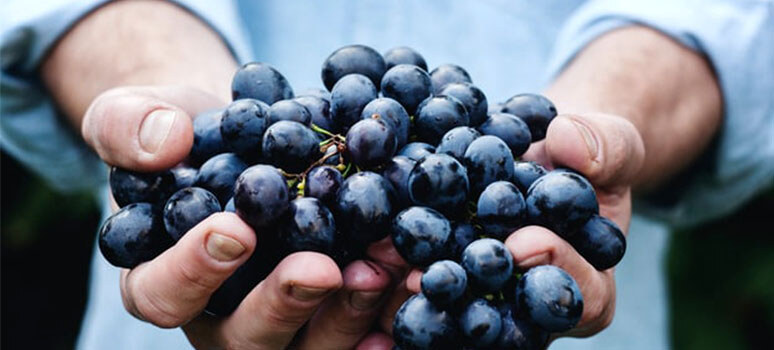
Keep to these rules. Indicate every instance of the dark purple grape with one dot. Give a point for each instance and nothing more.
(561, 201)
(358, 59)
(444, 282)
(348, 98)
(487, 159)
(416, 150)
(364, 207)
(207, 140)
(446, 74)
(218, 175)
(289, 110)
(407, 84)
(464, 234)
(235, 288)
(184, 176)
(323, 183)
(480, 324)
(440, 182)
(291, 146)
(320, 110)
(437, 115)
(550, 297)
(392, 113)
(260, 81)
(510, 129)
(600, 242)
(518, 333)
(186, 208)
(133, 235)
(397, 172)
(404, 55)
(501, 209)
(420, 325)
(525, 173)
(370, 143)
(421, 235)
(488, 263)
(310, 227)
(472, 97)
(135, 187)
(243, 124)
(456, 141)
(535, 110)
(261, 195)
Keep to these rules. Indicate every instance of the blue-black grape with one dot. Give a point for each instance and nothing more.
(218, 174)
(536, 110)
(370, 142)
(418, 325)
(348, 98)
(290, 146)
(446, 74)
(323, 183)
(184, 176)
(600, 242)
(525, 173)
(404, 55)
(207, 140)
(243, 124)
(310, 227)
(464, 234)
(397, 171)
(488, 263)
(480, 323)
(320, 110)
(260, 81)
(392, 113)
(407, 84)
(551, 298)
(444, 282)
(501, 209)
(456, 141)
(357, 59)
(236, 287)
(316, 92)
(472, 97)
(364, 207)
(561, 201)
(416, 150)
(186, 208)
(518, 333)
(440, 182)
(133, 235)
(421, 235)
(289, 110)
(487, 159)
(134, 187)
(261, 195)
(437, 115)
(510, 129)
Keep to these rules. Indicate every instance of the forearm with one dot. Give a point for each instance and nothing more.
(667, 91)
(135, 43)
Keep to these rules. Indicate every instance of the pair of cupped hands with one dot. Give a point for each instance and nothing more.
(307, 302)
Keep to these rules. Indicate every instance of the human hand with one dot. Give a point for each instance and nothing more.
(149, 128)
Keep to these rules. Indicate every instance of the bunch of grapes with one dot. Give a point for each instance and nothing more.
(386, 150)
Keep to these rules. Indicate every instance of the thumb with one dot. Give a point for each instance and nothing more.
(144, 128)
(607, 149)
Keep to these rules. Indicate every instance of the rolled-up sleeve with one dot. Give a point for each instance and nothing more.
(737, 37)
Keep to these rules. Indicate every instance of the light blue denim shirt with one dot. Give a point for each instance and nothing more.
(507, 47)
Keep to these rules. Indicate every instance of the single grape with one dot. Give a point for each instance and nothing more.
(186, 208)
(260, 81)
(551, 298)
(184, 176)
(437, 115)
(310, 227)
(348, 98)
(135, 187)
(535, 110)
(358, 59)
(261, 195)
(236, 287)
(407, 84)
(471, 97)
(320, 110)
(480, 324)
(397, 171)
(392, 113)
(561, 201)
(446, 74)
(218, 174)
(440, 182)
(316, 92)
(501, 209)
(418, 325)
(421, 235)
(518, 333)
(510, 129)
(323, 183)
(403, 55)
(456, 141)
(364, 207)
(487, 159)
(525, 173)
(289, 110)
(290, 146)
(243, 124)
(416, 150)
(207, 140)
(600, 242)
(370, 142)
(444, 282)
(488, 263)
(464, 234)
(133, 235)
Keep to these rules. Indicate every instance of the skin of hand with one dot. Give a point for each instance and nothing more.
(135, 98)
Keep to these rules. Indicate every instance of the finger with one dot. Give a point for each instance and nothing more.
(175, 286)
(344, 319)
(144, 128)
(395, 300)
(414, 281)
(275, 310)
(376, 341)
(384, 252)
(607, 149)
(534, 245)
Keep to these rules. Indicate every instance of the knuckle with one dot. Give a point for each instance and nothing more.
(198, 282)
(157, 312)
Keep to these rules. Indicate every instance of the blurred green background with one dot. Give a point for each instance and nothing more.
(721, 275)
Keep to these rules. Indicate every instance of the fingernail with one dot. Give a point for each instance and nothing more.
(155, 129)
(588, 138)
(223, 248)
(540, 259)
(364, 300)
(308, 293)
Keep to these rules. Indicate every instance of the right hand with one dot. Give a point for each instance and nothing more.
(149, 128)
